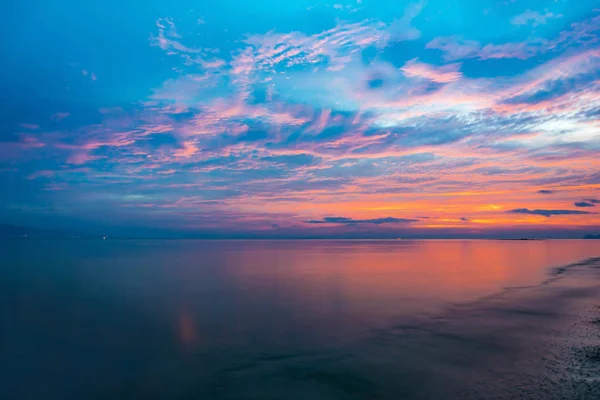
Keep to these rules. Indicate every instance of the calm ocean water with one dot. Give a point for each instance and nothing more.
(278, 319)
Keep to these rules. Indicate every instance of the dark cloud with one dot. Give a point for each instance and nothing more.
(547, 213)
(350, 221)
(584, 204)
(337, 219)
(465, 219)
(544, 191)
(594, 201)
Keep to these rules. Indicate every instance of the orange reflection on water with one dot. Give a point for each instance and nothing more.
(187, 332)
(374, 277)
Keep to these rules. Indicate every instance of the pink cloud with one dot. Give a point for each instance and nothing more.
(81, 158)
(336, 46)
(444, 74)
(29, 141)
(579, 33)
(320, 123)
(519, 50)
(222, 116)
(212, 64)
(402, 29)
(561, 68)
(188, 150)
(455, 47)
(168, 38)
(533, 17)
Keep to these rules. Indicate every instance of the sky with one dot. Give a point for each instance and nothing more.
(298, 118)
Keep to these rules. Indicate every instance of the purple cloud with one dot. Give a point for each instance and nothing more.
(547, 213)
(350, 221)
(584, 204)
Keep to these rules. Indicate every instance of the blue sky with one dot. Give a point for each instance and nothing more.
(374, 118)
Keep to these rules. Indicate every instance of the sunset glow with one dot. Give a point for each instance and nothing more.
(361, 118)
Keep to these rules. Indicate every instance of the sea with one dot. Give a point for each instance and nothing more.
(306, 319)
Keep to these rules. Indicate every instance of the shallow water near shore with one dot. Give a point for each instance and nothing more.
(300, 319)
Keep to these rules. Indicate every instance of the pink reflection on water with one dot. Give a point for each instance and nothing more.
(389, 277)
(187, 332)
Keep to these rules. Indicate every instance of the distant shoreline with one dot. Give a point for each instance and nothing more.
(99, 239)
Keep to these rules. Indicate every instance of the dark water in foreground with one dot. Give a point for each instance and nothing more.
(299, 320)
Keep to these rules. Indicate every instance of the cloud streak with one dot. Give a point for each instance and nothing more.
(584, 204)
(351, 221)
(547, 213)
